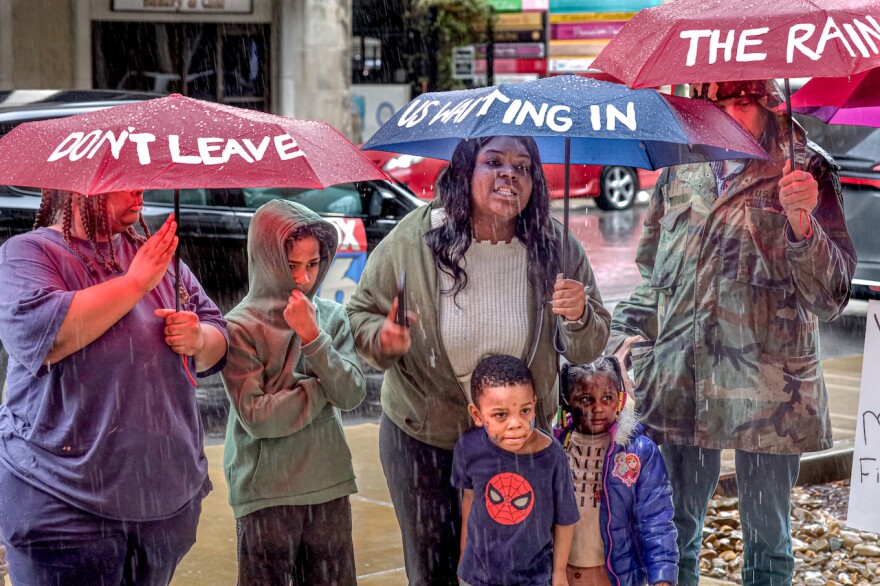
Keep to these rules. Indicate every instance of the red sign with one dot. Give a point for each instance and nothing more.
(352, 236)
(538, 66)
(585, 30)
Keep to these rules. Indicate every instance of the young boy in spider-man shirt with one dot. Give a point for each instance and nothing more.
(518, 505)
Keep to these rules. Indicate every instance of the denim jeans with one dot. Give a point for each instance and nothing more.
(427, 506)
(764, 483)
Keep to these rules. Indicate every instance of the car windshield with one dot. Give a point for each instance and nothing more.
(869, 148)
(841, 139)
(343, 199)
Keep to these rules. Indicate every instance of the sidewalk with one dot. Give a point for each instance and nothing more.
(378, 552)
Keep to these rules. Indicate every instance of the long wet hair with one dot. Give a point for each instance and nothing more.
(58, 204)
(534, 227)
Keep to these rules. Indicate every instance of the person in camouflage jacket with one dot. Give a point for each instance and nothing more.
(723, 332)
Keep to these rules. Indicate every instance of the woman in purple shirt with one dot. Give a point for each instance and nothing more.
(102, 467)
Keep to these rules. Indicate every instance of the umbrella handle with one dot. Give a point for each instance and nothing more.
(177, 280)
(177, 252)
(558, 342)
(804, 216)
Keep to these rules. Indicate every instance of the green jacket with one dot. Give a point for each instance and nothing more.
(420, 392)
(284, 440)
(730, 305)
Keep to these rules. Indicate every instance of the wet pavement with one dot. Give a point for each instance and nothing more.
(378, 550)
(610, 240)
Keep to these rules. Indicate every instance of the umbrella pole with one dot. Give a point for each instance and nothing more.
(558, 341)
(177, 279)
(565, 200)
(177, 252)
(790, 122)
(803, 215)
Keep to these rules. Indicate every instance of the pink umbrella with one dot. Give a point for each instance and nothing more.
(689, 41)
(853, 100)
(174, 143)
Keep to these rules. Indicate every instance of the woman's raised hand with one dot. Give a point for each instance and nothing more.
(394, 338)
(150, 263)
(569, 298)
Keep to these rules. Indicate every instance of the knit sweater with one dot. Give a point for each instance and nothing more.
(495, 296)
(586, 454)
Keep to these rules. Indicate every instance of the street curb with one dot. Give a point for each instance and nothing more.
(816, 468)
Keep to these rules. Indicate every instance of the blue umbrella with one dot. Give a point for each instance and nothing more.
(609, 124)
(573, 120)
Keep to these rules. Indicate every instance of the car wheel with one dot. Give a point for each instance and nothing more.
(618, 187)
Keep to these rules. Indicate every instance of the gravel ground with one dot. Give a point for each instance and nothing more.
(827, 553)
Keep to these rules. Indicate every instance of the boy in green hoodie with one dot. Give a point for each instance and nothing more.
(292, 366)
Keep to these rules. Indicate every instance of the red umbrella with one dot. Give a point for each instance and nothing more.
(844, 100)
(175, 143)
(690, 41)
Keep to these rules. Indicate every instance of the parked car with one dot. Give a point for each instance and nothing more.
(615, 188)
(213, 225)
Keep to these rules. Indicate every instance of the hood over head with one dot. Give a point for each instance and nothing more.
(269, 278)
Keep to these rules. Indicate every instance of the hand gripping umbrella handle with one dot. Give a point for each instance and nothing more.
(804, 216)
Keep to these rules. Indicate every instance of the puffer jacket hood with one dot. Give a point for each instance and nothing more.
(626, 427)
(269, 278)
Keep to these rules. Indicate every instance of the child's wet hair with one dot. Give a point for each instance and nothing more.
(306, 230)
(581, 374)
(498, 370)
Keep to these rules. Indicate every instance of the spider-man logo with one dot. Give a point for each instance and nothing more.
(509, 498)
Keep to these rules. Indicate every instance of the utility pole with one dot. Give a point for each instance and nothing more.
(490, 48)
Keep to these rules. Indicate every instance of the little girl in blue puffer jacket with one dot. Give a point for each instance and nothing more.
(625, 536)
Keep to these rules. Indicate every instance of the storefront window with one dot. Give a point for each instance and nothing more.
(225, 63)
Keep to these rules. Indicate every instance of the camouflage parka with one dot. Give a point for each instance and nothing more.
(730, 305)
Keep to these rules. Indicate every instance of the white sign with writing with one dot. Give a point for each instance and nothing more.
(463, 62)
(864, 493)
(234, 6)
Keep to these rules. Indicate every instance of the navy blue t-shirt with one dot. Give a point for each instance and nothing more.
(517, 501)
(114, 428)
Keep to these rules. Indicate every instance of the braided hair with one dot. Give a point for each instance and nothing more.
(57, 205)
(576, 375)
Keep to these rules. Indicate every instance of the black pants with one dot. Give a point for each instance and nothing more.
(428, 508)
(308, 544)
